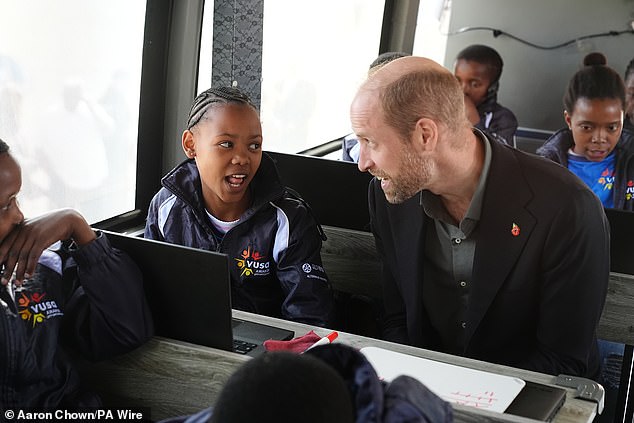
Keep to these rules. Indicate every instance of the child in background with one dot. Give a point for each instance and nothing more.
(227, 197)
(478, 69)
(594, 146)
(80, 294)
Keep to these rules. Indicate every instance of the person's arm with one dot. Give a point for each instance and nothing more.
(350, 148)
(394, 317)
(503, 125)
(555, 148)
(300, 271)
(107, 313)
(106, 307)
(573, 287)
(152, 230)
(22, 248)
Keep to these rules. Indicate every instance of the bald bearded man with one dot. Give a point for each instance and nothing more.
(487, 252)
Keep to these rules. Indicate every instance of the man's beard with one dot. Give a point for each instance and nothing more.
(415, 173)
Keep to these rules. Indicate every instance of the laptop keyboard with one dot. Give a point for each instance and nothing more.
(242, 347)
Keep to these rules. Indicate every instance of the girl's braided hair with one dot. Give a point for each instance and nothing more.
(214, 96)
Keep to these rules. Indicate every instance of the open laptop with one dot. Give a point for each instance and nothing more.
(189, 293)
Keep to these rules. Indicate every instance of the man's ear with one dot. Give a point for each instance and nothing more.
(426, 134)
(189, 144)
(568, 119)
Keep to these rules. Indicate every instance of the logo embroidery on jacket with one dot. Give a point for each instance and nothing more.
(629, 191)
(33, 308)
(607, 179)
(252, 263)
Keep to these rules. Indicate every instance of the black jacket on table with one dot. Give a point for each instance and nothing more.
(88, 300)
(556, 149)
(536, 297)
(274, 252)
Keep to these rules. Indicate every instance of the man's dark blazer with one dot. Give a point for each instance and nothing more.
(536, 297)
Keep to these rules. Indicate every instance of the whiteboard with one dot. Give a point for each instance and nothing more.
(452, 383)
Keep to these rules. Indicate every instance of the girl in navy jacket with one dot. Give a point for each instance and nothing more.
(228, 197)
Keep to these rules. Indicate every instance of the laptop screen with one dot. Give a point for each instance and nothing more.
(188, 289)
(324, 183)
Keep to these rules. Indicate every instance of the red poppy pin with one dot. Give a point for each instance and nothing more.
(515, 230)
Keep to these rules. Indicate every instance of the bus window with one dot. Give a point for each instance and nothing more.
(206, 49)
(69, 83)
(314, 56)
(432, 24)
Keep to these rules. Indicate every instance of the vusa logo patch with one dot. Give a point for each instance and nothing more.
(253, 263)
(35, 309)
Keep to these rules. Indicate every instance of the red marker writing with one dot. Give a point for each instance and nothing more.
(325, 340)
